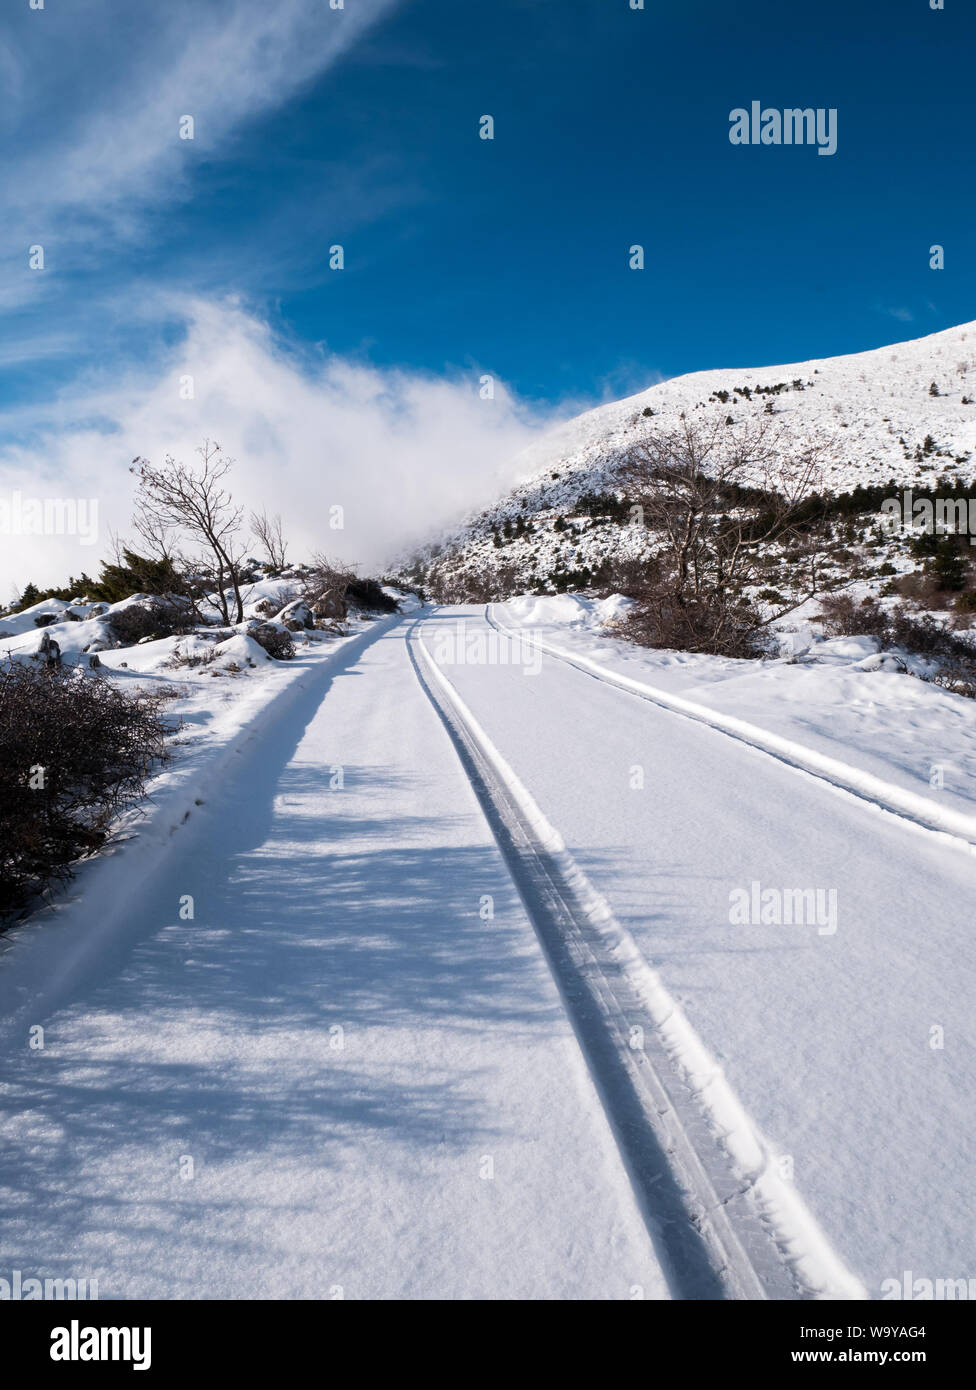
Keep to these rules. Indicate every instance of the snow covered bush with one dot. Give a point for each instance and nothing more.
(950, 656)
(716, 623)
(74, 750)
(153, 618)
(926, 636)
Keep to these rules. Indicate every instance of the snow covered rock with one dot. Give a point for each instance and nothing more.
(240, 650)
(295, 615)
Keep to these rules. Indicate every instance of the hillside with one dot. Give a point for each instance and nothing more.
(876, 411)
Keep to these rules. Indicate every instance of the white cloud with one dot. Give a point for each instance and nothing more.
(223, 63)
(403, 453)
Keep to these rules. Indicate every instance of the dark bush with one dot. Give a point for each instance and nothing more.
(926, 636)
(157, 617)
(657, 619)
(276, 643)
(623, 575)
(136, 574)
(74, 750)
(842, 616)
(602, 504)
(368, 595)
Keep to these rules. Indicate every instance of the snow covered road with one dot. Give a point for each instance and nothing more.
(352, 1073)
(848, 1040)
(338, 1078)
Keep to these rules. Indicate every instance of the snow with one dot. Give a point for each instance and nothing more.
(839, 699)
(358, 1040)
(573, 610)
(239, 650)
(872, 409)
(378, 1088)
(875, 397)
(825, 1038)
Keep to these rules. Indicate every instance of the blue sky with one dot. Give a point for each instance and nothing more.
(463, 256)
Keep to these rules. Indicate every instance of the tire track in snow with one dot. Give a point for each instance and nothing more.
(726, 1224)
(916, 812)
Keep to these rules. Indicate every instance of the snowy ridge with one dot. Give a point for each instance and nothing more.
(873, 411)
(724, 1204)
(865, 401)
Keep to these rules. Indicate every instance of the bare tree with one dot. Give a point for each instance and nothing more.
(179, 504)
(324, 587)
(267, 529)
(717, 498)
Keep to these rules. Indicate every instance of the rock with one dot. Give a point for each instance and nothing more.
(48, 650)
(880, 661)
(298, 612)
(329, 604)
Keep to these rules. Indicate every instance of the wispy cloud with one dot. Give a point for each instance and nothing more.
(402, 453)
(224, 64)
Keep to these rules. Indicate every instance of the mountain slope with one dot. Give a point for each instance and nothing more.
(876, 410)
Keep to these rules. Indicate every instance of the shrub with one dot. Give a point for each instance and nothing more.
(623, 575)
(602, 504)
(74, 749)
(657, 619)
(960, 679)
(157, 617)
(841, 616)
(368, 595)
(921, 590)
(926, 636)
(952, 656)
(136, 574)
(276, 643)
(324, 585)
(190, 661)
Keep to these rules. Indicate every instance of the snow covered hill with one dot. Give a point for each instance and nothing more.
(875, 410)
